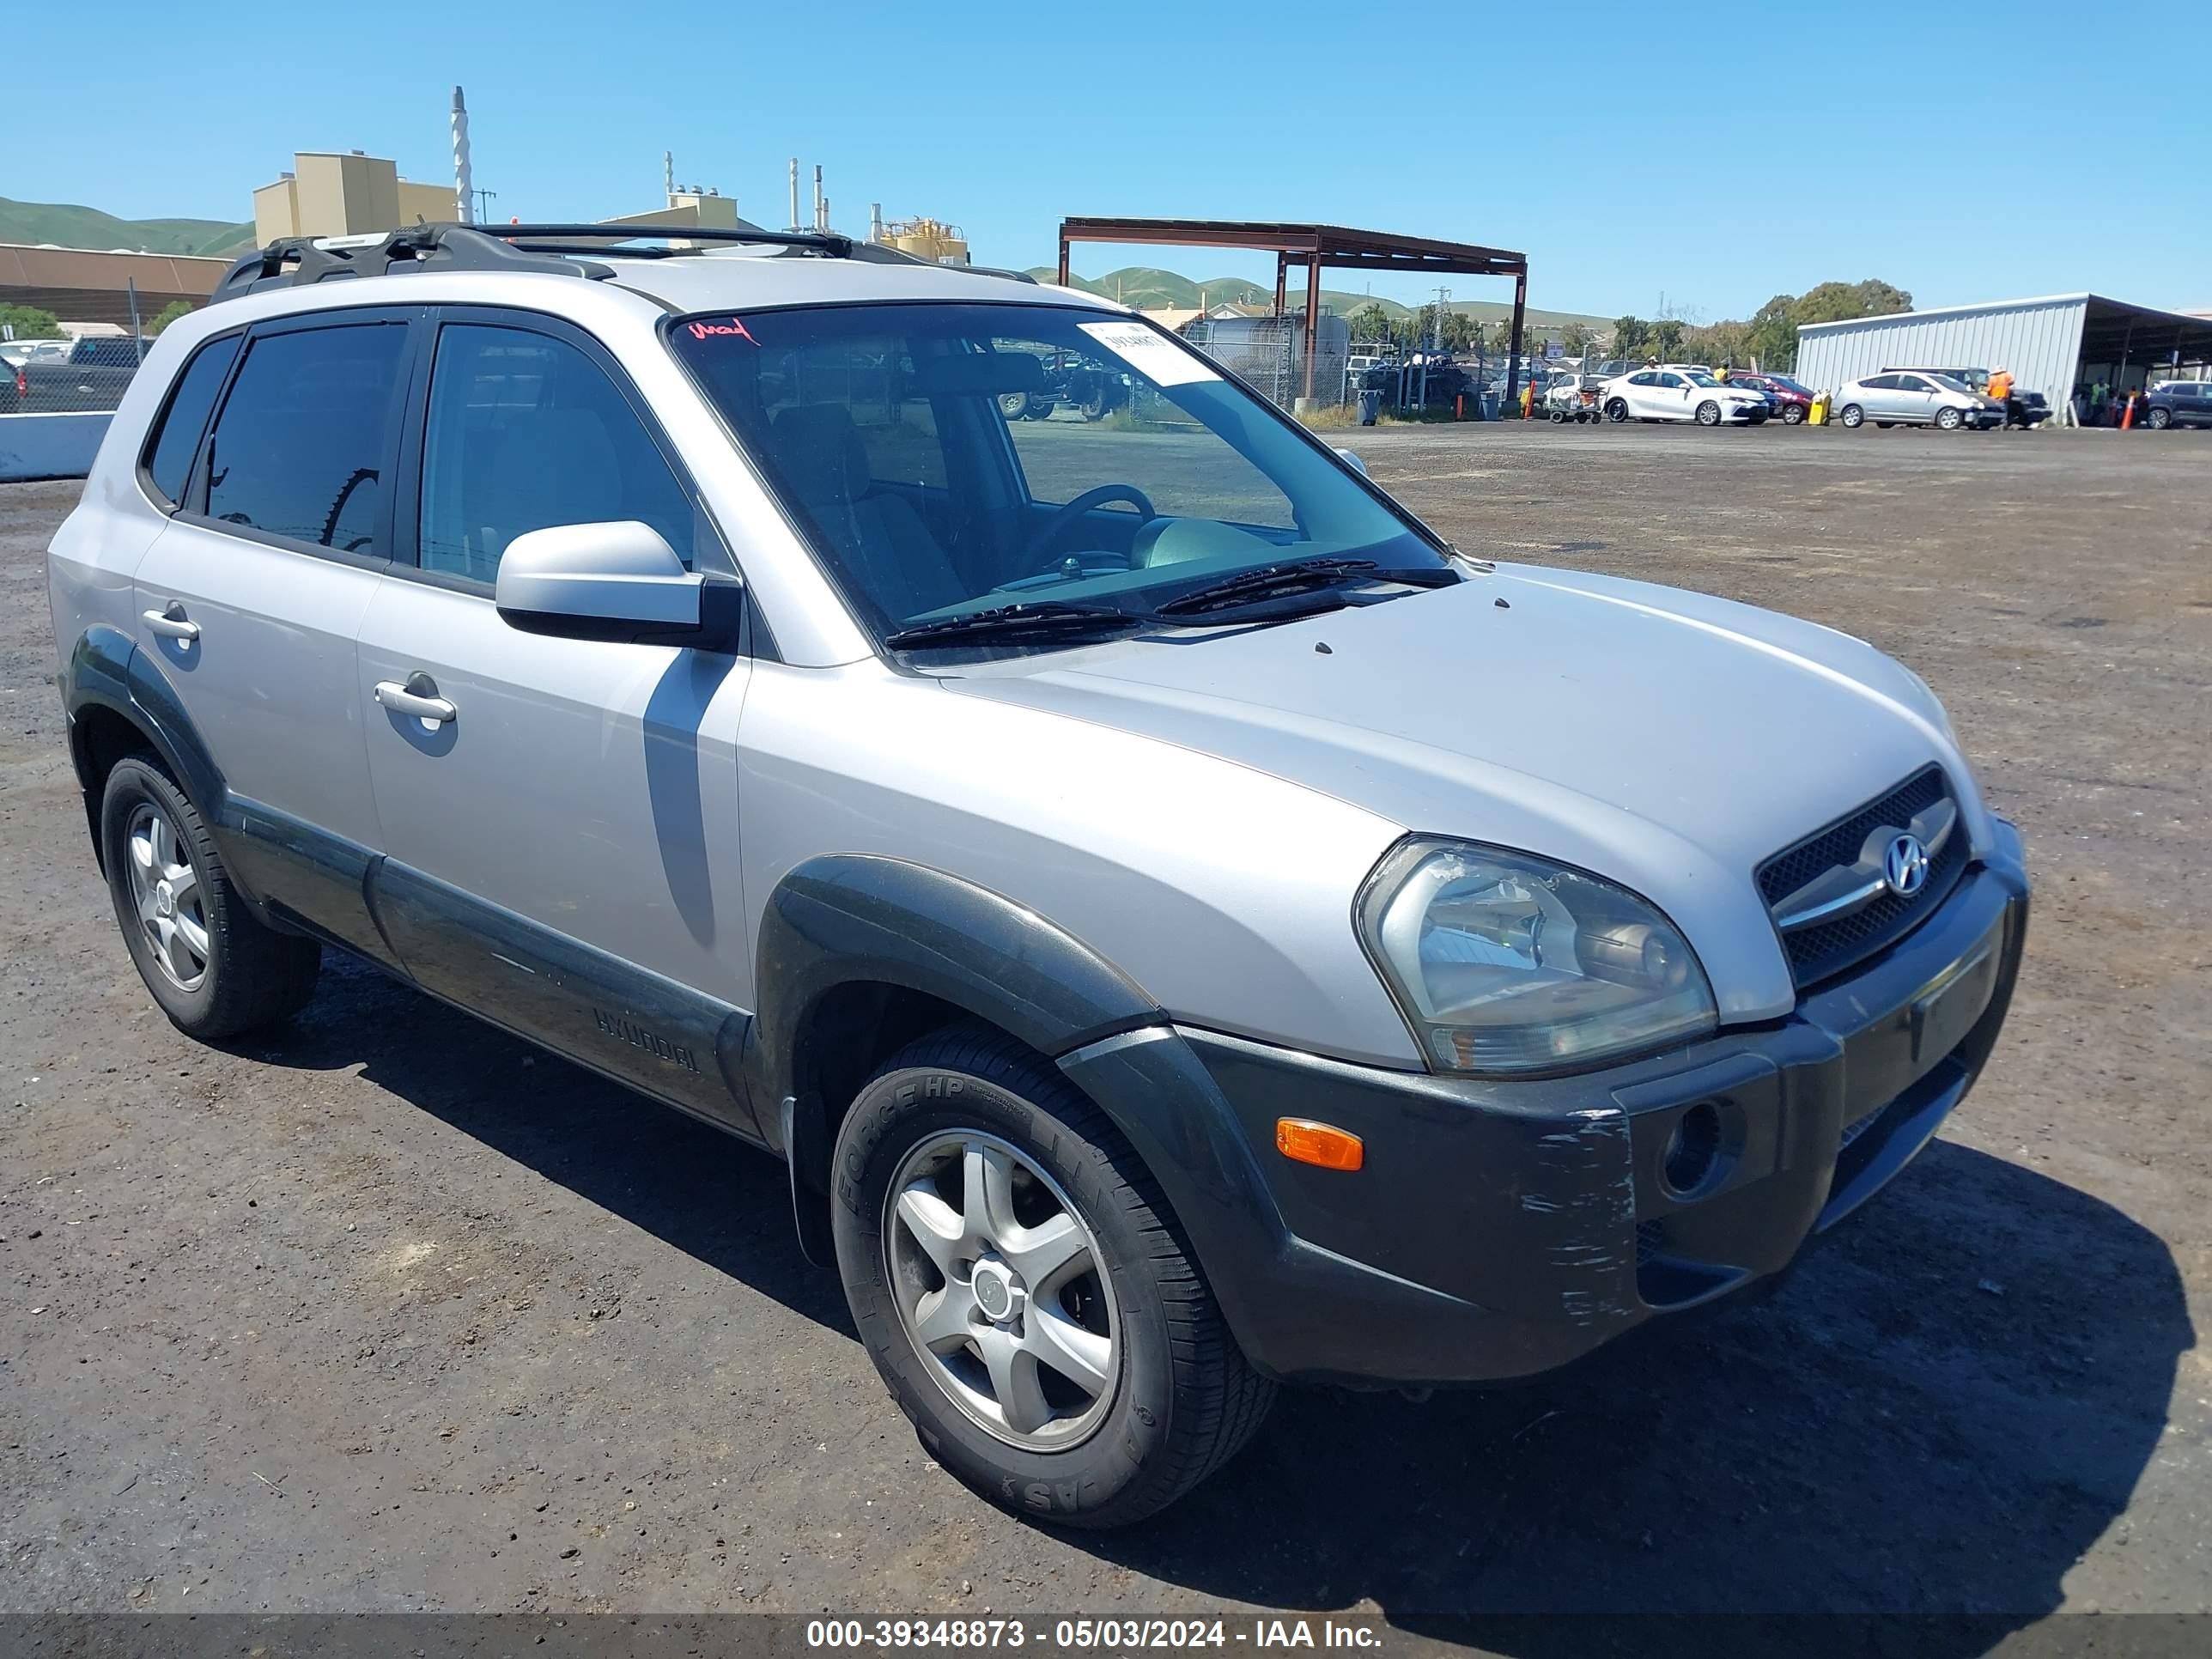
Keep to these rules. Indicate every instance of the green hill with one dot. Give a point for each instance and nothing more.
(67, 225)
(1146, 286)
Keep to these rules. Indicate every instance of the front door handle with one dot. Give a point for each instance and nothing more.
(171, 623)
(418, 697)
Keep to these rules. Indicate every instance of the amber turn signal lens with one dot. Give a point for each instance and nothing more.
(1318, 1143)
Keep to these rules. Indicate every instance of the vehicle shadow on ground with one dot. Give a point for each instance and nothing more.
(686, 1182)
(1949, 1402)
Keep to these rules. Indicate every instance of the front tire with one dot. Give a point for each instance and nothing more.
(1949, 419)
(2161, 419)
(216, 970)
(1617, 410)
(1709, 413)
(1024, 1293)
(1793, 415)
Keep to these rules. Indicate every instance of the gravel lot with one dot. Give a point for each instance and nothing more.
(386, 1312)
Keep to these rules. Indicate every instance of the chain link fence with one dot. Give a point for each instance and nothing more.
(1269, 353)
(84, 376)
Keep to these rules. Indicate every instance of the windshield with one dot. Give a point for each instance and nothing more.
(1951, 383)
(1696, 377)
(949, 458)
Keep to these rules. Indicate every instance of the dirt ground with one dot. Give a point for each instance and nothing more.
(386, 1312)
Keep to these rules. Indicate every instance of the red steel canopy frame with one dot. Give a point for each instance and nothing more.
(1317, 245)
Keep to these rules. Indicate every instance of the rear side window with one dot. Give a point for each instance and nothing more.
(300, 447)
(177, 435)
(526, 432)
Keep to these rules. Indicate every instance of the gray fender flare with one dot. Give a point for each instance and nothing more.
(844, 919)
(847, 919)
(106, 669)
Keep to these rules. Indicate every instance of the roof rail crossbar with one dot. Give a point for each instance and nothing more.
(566, 249)
(296, 261)
(820, 241)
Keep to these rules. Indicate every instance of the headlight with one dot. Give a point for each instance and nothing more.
(1504, 963)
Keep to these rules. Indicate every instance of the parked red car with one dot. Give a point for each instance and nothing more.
(1792, 402)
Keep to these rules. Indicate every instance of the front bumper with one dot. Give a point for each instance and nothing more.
(1499, 1230)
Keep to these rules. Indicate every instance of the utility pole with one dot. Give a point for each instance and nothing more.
(484, 201)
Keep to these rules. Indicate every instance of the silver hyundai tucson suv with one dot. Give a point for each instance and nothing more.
(1185, 925)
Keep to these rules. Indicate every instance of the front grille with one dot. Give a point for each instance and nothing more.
(1818, 952)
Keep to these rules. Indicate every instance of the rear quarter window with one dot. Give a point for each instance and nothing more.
(176, 435)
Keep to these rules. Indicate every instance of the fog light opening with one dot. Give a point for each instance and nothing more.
(1693, 1151)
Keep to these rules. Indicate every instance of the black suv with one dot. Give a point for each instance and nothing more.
(2178, 402)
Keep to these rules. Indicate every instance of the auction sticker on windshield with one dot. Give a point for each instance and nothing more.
(1151, 355)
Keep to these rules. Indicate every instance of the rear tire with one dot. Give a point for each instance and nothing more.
(1178, 1398)
(215, 969)
(1853, 417)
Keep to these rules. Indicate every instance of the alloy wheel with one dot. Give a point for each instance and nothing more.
(169, 898)
(1000, 1286)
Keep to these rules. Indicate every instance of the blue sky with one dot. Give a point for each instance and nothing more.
(1719, 154)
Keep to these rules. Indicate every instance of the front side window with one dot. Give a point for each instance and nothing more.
(300, 447)
(526, 432)
(169, 461)
(947, 459)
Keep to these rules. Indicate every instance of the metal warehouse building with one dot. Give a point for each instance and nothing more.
(2051, 345)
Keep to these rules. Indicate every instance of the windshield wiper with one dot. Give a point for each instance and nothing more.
(1038, 618)
(1269, 580)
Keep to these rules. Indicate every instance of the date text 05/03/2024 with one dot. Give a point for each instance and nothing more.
(883, 1635)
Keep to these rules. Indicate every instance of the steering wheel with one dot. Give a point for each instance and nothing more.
(1057, 524)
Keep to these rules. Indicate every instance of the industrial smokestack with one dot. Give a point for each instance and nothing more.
(821, 202)
(794, 193)
(875, 221)
(465, 195)
(668, 171)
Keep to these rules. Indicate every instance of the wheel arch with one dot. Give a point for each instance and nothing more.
(119, 704)
(857, 954)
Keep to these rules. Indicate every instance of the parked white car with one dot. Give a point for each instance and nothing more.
(1681, 394)
(1904, 397)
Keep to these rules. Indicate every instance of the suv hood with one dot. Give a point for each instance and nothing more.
(1668, 741)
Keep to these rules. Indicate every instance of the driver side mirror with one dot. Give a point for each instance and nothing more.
(617, 581)
(1352, 460)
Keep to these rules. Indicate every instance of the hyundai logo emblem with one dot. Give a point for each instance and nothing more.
(1905, 865)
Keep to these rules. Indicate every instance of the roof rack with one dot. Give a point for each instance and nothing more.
(563, 250)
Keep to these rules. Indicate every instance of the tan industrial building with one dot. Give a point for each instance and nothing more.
(329, 194)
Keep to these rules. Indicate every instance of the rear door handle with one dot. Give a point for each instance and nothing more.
(418, 697)
(171, 623)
